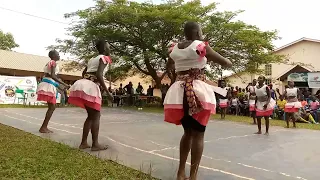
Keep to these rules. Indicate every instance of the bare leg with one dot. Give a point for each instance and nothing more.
(224, 113)
(293, 120)
(85, 132)
(259, 125)
(196, 153)
(253, 114)
(44, 127)
(267, 125)
(95, 125)
(288, 115)
(185, 146)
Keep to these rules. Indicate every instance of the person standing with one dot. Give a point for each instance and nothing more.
(47, 89)
(190, 100)
(252, 100)
(223, 101)
(293, 104)
(264, 103)
(86, 93)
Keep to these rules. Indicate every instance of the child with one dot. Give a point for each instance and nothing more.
(47, 89)
(223, 101)
(252, 100)
(86, 94)
(264, 103)
(192, 103)
(293, 105)
(234, 105)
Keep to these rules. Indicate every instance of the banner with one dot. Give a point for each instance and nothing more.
(314, 80)
(298, 77)
(12, 89)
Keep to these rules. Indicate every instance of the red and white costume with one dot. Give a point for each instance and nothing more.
(260, 111)
(86, 92)
(193, 84)
(252, 102)
(47, 89)
(292, 106)
(223, 103)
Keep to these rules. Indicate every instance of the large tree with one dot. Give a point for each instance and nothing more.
(7, 41)
(139, 34)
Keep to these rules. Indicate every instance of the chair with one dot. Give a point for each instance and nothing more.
(22, 96)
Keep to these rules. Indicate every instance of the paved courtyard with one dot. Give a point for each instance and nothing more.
(144, 142)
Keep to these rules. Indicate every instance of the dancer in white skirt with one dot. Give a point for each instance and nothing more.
(264, 103)
(252, 100)
(47, 89)
(190, 100)
(293, 104)
(86, 94)
(223, 101)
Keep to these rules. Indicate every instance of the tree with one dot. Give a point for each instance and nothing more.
(7, 41)
(139, 34)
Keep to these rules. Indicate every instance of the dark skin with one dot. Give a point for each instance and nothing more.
(261, 80)
(93, 119)
(192, 139)
(223, 110)
(253, 113)
(291, 99)
(51, 107)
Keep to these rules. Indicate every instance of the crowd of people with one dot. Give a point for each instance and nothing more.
(237, 102)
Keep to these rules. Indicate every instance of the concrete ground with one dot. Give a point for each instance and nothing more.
(144, 142)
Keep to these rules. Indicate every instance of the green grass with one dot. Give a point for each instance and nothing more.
(242, 119)
(26, 156)
(21, 106)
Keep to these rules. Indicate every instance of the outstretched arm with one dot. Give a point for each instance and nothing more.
(213, 56)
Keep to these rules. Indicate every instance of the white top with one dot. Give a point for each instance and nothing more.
(251, 89)
(47, 68)
(260, 92)
(292, 92)
(93, 63)
(187, 58)
(234, 102)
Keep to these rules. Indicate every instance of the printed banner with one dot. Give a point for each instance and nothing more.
(12, 89)
(298, 77)
(314, 80)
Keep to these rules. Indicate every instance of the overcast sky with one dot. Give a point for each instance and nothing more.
(293, 19)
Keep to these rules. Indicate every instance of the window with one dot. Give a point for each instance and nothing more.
(268, 81)
(268, 70)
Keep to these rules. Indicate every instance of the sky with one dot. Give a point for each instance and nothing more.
(293, 19)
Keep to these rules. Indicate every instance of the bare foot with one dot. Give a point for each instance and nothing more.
(45, 130)
(259, 132)
(99, 147)
(84, 146)
(266, 133)
(287, 127)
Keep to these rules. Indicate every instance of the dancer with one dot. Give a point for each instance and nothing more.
(252, 100)
(47, 89)
(223, 101)
(86, 94)
(190, 100)
(293, 105)
(264, 103)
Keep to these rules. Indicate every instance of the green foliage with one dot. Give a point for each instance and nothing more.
(7, 41)
(139, 35)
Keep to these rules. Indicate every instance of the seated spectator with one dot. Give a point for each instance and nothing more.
(314, 105)
(281, 102)
(304, 103)
(305, 116)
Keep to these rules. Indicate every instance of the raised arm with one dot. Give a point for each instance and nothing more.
(213, 56)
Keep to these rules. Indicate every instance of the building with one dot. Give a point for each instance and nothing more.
(21, 64)
(301, 57)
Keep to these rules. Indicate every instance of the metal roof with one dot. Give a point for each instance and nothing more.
(28, 62)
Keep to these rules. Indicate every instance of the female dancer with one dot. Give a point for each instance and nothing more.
(264, 103)
(252, 100)
(223, 101)
(190, 100)
(47, 89)
(293, 104)
(86, 93)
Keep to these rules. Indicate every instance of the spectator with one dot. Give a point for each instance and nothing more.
(130, 92)
(305, 116)
(120, 91)
(150, 91)
(240, 93)
(139, 89)
(272, 92)
(234, 105)
(281, 102)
